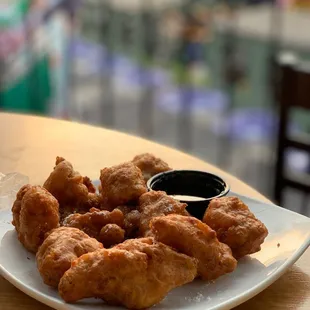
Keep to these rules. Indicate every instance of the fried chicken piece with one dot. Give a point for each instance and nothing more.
(92, 222)
(93, 201)
(65, 211)
(18, 204)
(153, 204)
(131, 221)
(122, 184)
(190, 236)
(111, 234)
(235, 225)
(35, 212)
(67, 185)
(150, 165)
(75, 194)
(136, 274)
(59, 249)
(90, 186)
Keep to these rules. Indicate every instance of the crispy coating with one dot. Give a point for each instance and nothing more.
(131, 221)
(235, 225)
(67, 185)
(93, 201)
(59, 249)
(136, 274)
(35, 212)
(90, 186)
(150, 165)
(153, 204)
(75, 194)
(65, 211)
(111, 234)
(122, 184)
(196, 239)
(18, 204)
(92, 222)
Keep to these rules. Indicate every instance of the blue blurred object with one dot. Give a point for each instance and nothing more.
(193, 52)
(297, 160)
(171, 100)
(96, 59)
(253, 124)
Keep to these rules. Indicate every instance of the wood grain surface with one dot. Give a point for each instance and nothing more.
(30, 144)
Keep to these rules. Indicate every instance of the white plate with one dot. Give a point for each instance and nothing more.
(289, 237)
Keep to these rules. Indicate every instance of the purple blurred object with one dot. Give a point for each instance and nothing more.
(251, 125)
(153, 77)
(196, 100)
(297, 160)
(99, 61)
(84, 48)
(92, 55)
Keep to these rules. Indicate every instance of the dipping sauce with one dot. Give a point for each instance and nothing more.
(187, 198)
(195, 188)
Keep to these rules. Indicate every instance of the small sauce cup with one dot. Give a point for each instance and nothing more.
(195, 188)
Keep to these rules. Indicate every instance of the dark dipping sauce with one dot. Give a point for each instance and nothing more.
(196, 188)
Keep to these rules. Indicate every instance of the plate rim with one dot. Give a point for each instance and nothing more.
(228, 304)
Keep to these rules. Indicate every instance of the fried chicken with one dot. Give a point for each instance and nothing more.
(93, 201)
(131, 221)
(35, 212)
(111, 234)
(18, 204)
(153, 204)
(75, 194)
(136, 274)
(150, 165)
(90, 186)
(190, 236)
(121, 184)
(65, 211)
(92, 222)
(59, 249)
(235, 225)
(67, 185)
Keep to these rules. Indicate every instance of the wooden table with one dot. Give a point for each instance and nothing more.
(29, 145)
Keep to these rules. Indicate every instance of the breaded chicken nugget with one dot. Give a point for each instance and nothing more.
(157, 203)
(67, 185)
(93, 202)
(150, 165)
(122, 184)
(190, 236)
(136, 274)
(92, 222)
(35, 212)
(18, 204)
(131, 221)
(235, 225)
(111, 234)
(59, 249)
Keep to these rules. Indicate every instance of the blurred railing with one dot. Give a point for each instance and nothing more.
(147, 87)
(196, 75)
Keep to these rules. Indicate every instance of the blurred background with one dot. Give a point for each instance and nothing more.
(227, 81)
